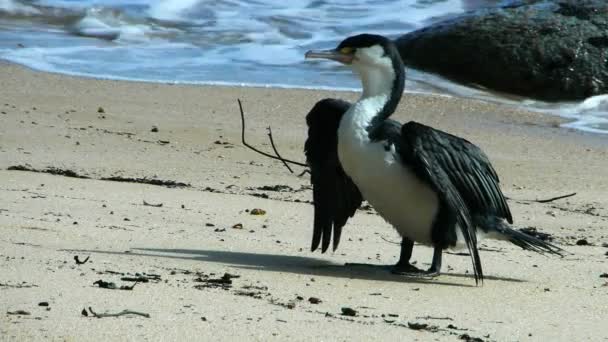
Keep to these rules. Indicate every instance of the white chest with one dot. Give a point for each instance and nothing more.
(389, 186)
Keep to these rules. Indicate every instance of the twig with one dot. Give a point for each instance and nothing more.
(432, 317)
(544, 200)
(123, 312)
(389, 241)
(78, 262)
(153, 205)
(554, 198)
(112, 286)
(255, 149)
(275, 150)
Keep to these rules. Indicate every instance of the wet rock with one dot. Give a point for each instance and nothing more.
(549, 50)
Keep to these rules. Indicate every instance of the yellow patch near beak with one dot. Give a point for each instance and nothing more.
(346, 50)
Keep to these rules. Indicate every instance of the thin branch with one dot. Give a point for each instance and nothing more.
(153, 205)
(555, 198)
(432, 317)
(275, 150)
(255, 149)
(546, 200)
(123, 312)
(304, 172)
(389, 241)
(79, 262)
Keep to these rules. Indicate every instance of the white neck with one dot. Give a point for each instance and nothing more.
(376, 81)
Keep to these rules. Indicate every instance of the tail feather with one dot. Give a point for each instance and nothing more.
(497, 225)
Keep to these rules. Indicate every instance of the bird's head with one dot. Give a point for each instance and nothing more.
(374, 57)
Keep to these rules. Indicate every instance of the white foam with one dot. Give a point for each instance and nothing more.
(172, 10)
(92, 26)
(17, 8)
(234, 42)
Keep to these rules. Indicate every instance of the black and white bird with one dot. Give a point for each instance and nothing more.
(434, 188)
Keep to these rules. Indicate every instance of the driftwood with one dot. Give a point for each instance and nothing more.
(122, 313)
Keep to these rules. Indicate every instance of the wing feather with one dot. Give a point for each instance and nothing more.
(461, 174)
(335, 196)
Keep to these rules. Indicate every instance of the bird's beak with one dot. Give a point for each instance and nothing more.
(334, 55)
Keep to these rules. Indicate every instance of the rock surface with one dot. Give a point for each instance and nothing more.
(549, 50)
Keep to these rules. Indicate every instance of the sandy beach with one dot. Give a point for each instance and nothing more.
(181, 223)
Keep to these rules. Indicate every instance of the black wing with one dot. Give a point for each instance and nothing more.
(461, 174)
(335, 196)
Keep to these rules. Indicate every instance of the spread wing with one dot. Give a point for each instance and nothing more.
(335, 196)
(462, 176)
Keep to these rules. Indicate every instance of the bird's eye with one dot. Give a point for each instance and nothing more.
(346, 50)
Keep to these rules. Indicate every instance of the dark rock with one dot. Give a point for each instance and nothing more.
(604, 275)
(582, 242)
(549, 50)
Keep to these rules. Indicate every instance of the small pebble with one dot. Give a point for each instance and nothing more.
(349, 312)
(43, 304)
(314, 300)
(154, 129)
(257, 211)
(582, 242)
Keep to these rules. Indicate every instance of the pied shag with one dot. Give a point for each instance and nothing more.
(434, 188)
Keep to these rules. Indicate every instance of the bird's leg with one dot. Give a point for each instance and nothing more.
(435, 268)
(403, 266)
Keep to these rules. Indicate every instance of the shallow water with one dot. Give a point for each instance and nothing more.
(232, 42)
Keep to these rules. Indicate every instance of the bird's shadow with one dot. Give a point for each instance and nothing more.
(296, 264)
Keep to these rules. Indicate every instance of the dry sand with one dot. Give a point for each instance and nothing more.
(52, 121)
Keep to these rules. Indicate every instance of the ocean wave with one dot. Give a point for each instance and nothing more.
(234, 42)
(12, 7)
